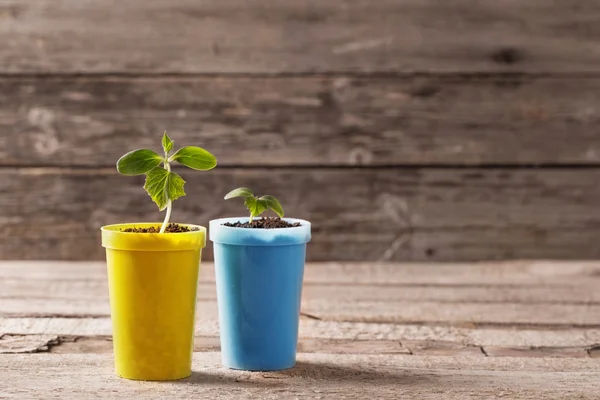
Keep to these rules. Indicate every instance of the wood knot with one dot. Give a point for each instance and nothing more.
(360, 156)
(425, 91)
(46, 142)
(507, 56)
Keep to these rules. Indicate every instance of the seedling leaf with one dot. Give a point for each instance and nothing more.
(138, 162)
(256, 205)
(163, 185)
(273, 204)
(195, 157)
(167, 144)
(239, 192)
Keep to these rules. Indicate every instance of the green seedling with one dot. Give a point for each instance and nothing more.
(163, 185)
(256, 205)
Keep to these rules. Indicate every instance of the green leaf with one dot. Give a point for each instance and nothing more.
(138, 162)
(255, 206)
(167, 143)
(195, 158)
(163, 186)
(239, 192)
(273, 204)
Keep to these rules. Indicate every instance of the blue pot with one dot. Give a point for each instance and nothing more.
(259, 286)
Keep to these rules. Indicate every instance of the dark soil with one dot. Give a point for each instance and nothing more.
(171, 228)
(263, 223)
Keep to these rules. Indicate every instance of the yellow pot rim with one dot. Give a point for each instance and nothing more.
(114, 238)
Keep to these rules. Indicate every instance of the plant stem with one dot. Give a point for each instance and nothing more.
(167, 217)
(169, 204)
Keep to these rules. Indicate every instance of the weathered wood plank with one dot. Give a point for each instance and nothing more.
(566, 352)
(60, 277)
(441, 348)
(303, 120)
(453, 313)
(14, 344)
(104, 344)
(352, 310)
(337, 346)
(357, 214)
(99, 345)
(533, 282)
(330, 294)
(10, 344)
(339, 376)
(186, 36)
(594, 352)
(569, 293)
(468, 335)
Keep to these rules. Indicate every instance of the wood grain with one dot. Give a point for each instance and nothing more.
(352, 310)
(60, 277)
(325, 375)
(352, 303)
(186, 36)
(357, 214)
(16, 344)
(441, 348)
(99, 345)
(467, 334)
(567, 352)
(71, 292)
(337, 358)
(300, 121)
(548, 294)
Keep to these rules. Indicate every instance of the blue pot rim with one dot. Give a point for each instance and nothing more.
(218, 233)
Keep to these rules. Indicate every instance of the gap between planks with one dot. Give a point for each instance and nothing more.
(19, 344)
(492, 273)
(329, 330)
(506, 315)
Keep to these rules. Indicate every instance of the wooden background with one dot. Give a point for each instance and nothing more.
(403, 129)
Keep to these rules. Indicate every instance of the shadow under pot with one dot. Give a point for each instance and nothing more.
(259, 275)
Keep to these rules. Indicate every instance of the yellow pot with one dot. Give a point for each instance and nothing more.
(152, 280)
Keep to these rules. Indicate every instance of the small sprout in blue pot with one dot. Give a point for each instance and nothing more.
(256, 206)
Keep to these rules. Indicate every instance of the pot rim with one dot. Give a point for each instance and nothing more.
(219, 233)
(114, 238)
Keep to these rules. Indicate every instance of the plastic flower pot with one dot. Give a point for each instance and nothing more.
(259, 276)
(152, 280)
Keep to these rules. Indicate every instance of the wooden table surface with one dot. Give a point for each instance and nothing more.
(515, 330)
